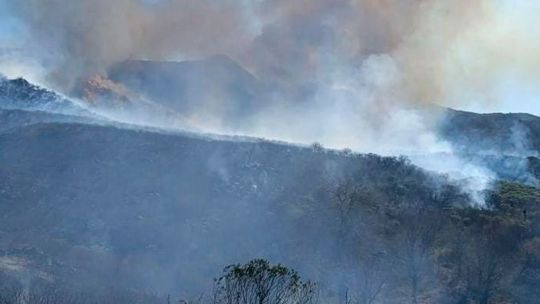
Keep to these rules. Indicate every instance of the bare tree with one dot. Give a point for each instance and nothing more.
(362, 256)
(416, 227)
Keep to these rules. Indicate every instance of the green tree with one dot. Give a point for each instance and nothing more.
(258, 282)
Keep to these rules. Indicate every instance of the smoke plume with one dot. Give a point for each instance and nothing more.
(449, 52)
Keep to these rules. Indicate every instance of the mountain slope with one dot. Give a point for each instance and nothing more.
(22, 104)
(217, 84)
(492, 133)
(21, 95)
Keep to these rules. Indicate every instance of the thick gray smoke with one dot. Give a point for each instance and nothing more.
(449, 52)
(75, 38)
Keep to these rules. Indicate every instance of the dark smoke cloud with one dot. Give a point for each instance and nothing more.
(280, 40)
(85, 37)
(447, 51)
(308, 35)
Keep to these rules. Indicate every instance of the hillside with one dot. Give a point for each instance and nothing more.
(178, 198)
(517, 134)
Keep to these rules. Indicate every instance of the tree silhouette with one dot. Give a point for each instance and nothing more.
(258, 282)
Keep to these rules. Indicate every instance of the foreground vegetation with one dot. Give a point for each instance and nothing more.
(407, 250)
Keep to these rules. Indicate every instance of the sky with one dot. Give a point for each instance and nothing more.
(515, 91)
(10, 27)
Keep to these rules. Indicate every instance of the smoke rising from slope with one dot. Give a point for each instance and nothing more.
(346, 73)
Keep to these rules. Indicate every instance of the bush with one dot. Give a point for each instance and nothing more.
(259, 282)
